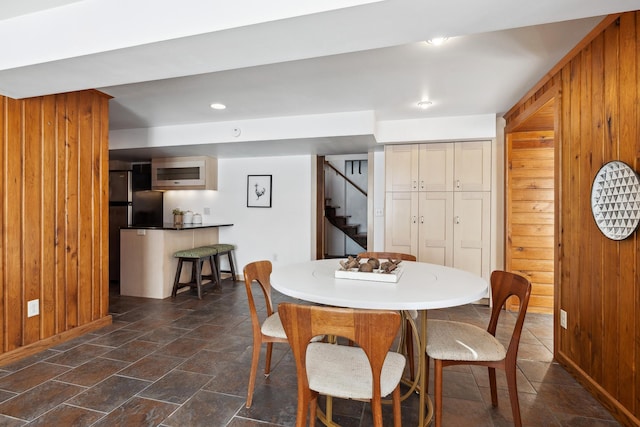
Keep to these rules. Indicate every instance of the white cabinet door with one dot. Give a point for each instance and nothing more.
(472, 166)
(401, 167)
(401, 222)
(436, 227)
(436, 167)
(472, 228)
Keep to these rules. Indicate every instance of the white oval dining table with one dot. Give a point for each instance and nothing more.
(420, 286)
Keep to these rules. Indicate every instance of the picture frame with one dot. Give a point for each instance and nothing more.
(258, 191)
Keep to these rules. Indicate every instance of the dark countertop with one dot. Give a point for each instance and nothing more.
(171, 226)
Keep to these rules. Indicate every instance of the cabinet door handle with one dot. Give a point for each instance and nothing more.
(422, 185)
(457, 219)
(422, 220)
(414, 219)
(457, 183)
(415, 185)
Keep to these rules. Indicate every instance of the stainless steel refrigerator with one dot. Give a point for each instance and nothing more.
(131, 202)
(120, 213)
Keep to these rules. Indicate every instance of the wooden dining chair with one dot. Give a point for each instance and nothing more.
(455, 343)
(267, 331)
(367, 372)
(408, 333)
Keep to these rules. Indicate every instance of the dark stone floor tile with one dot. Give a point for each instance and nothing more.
(460, 385)
(537, 352)
(462, 412)
(205, 332)
(132, 351)
(23, 363)
(182, 347)
(116, 338)
(163, 335)
(31, 376)
(568, 420)
(246, 422)
(78, 355)
(209, 363)
(151, 368)
(225, 343)
(38, 400)
(109, 394)
(92, 372)
(10, 422)
(547, 372)
(206, 409)
(272, 405)
(533, 411)
(572, 400)
(138, 412)
(176, 386)
(481, 374)
(65, 415)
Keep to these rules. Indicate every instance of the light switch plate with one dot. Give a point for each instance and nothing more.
(563, 319)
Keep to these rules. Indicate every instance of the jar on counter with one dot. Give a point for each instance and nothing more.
(197, 218)
(188, 217)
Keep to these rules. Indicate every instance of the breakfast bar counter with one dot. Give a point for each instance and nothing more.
(147, 265)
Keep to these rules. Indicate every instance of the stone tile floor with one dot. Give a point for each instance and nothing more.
(185, 362)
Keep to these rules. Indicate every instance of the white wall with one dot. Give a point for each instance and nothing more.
(281, 233)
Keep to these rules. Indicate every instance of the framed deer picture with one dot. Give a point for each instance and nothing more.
(258, 191)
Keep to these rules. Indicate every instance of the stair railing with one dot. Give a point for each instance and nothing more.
(353, 184)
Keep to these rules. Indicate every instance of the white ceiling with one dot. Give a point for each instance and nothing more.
(288, 58)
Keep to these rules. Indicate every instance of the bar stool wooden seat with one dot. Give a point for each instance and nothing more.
(224, 249)
(196, 256)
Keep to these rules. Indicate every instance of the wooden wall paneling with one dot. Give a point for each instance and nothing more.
(13, 229)
(628, 251)
(71, 226)
(48, 299)
(636, 405)
(86, 294)
(32, 215)
(596, 238)
(104, 205)
(3, 252)
(583, 293)
(530, 213)
(61, 212)
(611, 272)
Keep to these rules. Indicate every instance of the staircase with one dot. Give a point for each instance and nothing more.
(341, 222)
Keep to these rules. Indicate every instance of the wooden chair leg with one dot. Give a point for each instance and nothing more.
(513, 394)
(176, 281)
(267, 363)
(215, 277)
(437, 364)
(254, 370)
(232, 266)
(198, 268)
(397, 413)
(492, 386)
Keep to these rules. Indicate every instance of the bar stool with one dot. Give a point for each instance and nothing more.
(224, 249)
(196, 256)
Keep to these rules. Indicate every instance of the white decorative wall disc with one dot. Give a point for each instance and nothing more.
(615, 200)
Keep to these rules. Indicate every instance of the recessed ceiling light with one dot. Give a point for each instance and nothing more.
(218, 106)
(425, 104)
(437, 41)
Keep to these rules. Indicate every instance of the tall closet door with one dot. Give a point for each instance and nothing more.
(401, 222)
(436, 227)
(472, 228)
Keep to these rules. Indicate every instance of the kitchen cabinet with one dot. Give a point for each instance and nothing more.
(443, 214)
(184, 173)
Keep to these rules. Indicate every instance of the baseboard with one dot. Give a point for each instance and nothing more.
(36, 347)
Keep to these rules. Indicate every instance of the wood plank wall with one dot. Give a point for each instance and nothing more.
(529, 213)
(598, 279)
(53, 219)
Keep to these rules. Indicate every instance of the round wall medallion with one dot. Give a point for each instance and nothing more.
(615, 200)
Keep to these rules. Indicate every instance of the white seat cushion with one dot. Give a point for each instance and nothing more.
(344, 371)
(447, 340)
(272, 326)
